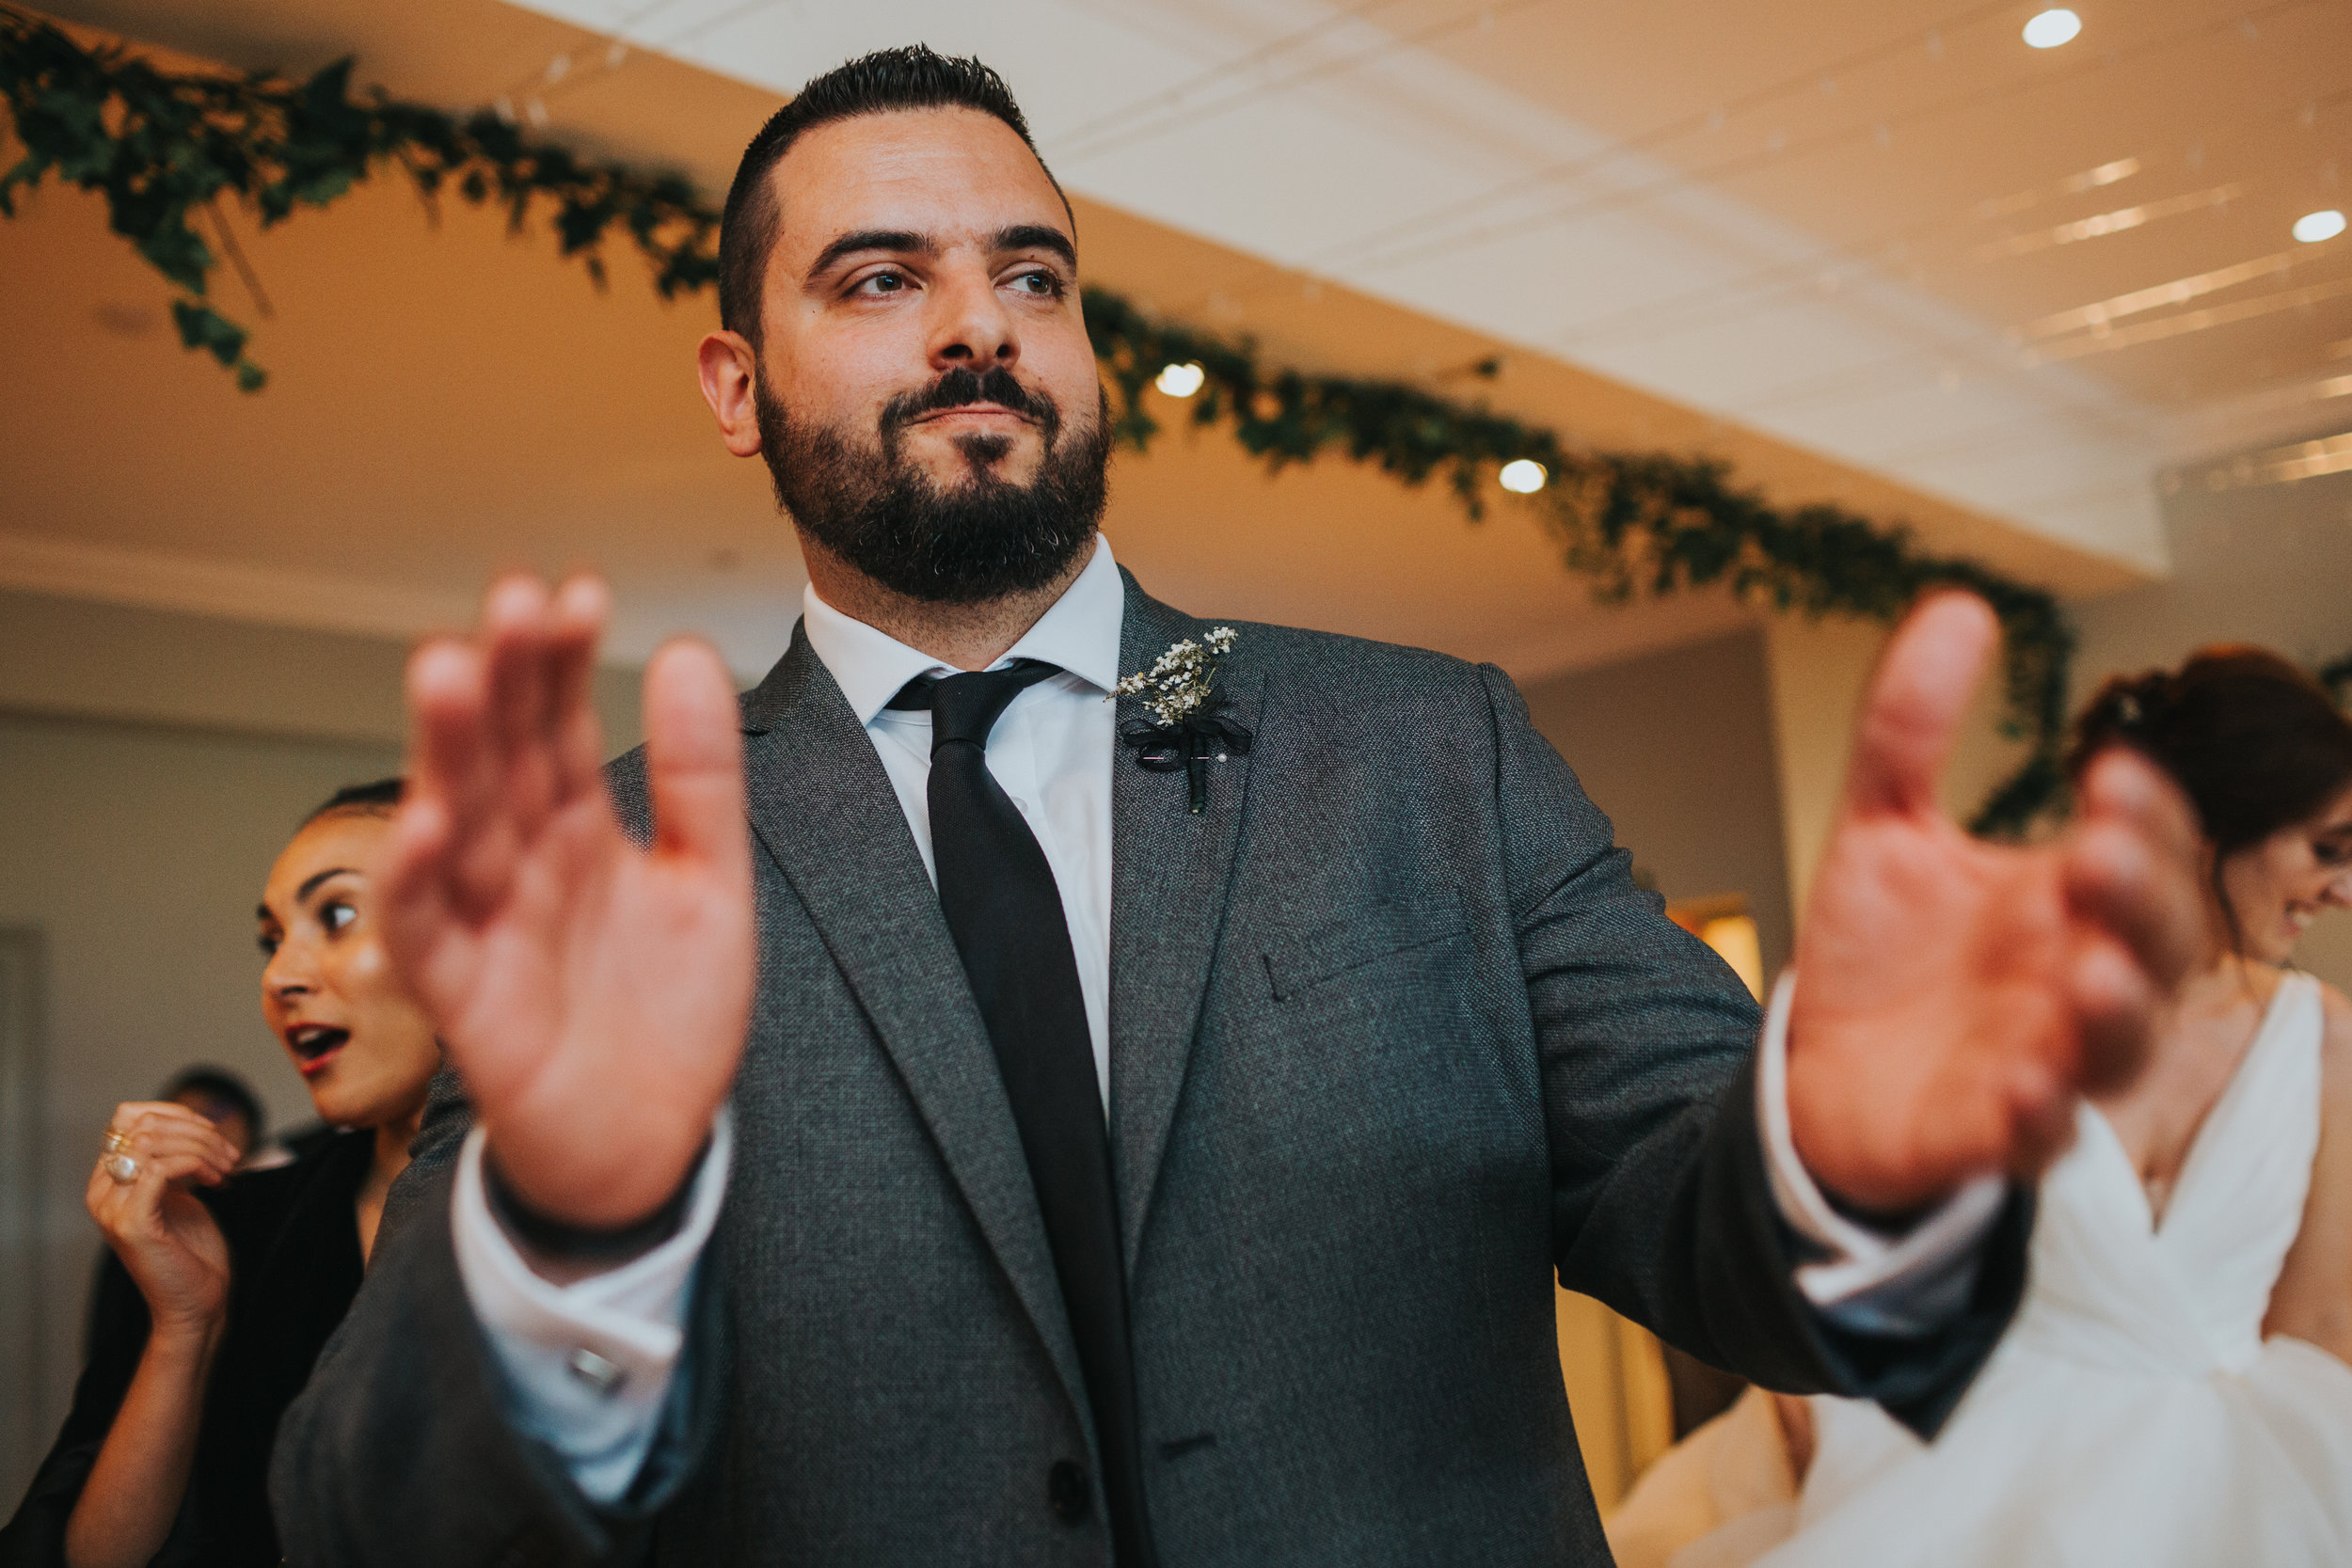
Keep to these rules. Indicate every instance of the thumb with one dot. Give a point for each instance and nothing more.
(694, 755)
(1917, 697)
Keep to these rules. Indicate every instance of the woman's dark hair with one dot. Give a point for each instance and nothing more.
(380, 799)
(221, 1084)
(2255, 743)
(885, 80)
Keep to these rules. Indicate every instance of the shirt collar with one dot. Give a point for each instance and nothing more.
(1079, 632)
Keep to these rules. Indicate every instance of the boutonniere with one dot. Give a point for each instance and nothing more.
(1179, 692)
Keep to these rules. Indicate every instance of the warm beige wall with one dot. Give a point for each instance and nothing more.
(1818, 669)
(1679, 748)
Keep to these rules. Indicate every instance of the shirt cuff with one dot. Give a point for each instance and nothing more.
(588, 1364)
(1871, 1281)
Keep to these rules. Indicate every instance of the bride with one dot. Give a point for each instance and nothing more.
(2175, 1392)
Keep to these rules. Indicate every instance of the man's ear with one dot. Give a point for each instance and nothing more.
(730, 376)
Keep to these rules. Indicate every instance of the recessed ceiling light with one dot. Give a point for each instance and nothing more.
(1522, 476)
(2311, 227)
(1181, 381)
(2052, 28)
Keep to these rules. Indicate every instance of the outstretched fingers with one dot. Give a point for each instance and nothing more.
(2135, 863)
(576, 621)
(517, 627)
(1917, 697)
(442, 857)
(2130, 882)
(695, 759)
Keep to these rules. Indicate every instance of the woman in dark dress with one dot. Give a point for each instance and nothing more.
(223, 1287)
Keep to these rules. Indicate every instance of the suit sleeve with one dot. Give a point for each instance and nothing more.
(404, 1447)
(1662, 1206)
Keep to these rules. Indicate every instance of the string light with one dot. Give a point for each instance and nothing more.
(2311, 227)
(1522, 476)
(2052, 28)
(1181, 381)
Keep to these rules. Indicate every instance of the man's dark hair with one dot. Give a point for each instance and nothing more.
(886, 80)
(379, 799)
(218, 1083)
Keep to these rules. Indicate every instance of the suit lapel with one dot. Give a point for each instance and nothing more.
(824, 810)
(1169, 871)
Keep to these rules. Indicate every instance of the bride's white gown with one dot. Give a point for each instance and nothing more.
(2135, 1415)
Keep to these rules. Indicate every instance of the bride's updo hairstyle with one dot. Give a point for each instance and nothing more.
(2256, 744)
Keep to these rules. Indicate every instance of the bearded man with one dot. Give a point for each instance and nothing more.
(1025, 1146)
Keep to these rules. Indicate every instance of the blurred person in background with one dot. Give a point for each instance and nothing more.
(2176, 1390)
(224, 1284)
(223, 1099)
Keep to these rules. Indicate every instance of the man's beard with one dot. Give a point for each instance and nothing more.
(979, 540)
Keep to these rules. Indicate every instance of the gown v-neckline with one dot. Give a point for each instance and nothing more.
(2225, 1104)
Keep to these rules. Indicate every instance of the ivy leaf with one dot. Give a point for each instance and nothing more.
(201, 327)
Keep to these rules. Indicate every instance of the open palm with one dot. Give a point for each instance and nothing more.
(594, 995)
(1955, 997)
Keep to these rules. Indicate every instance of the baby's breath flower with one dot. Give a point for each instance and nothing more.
(1177, 684)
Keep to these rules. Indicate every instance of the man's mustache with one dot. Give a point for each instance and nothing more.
(960, 388)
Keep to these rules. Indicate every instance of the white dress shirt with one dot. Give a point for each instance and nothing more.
(588, 1364)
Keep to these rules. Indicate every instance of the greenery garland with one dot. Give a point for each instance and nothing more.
(162, 145)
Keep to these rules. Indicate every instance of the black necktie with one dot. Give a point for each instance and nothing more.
(1005, 912)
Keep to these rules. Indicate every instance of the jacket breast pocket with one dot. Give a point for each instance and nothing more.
(1364, 943)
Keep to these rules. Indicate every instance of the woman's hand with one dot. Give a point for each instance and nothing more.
(163, 1234)
(180, 1261)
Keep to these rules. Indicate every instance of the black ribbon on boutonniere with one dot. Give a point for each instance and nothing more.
(1191, 743)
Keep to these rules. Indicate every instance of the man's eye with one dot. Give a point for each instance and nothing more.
(883, 283)
(1042, 284)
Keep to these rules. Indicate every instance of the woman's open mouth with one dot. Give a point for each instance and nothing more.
(315, 1044)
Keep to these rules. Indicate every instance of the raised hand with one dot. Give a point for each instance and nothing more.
(165, 1238)
(1955, 997)
(592, 995)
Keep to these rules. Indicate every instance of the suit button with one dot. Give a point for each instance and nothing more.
(1066, 1491)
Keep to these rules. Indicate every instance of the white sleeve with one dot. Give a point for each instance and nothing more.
(589, 1364)
(1867, 1280)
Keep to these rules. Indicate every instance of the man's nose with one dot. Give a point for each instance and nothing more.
(971, 329)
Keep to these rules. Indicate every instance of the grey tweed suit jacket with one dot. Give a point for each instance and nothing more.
(1394, 1040)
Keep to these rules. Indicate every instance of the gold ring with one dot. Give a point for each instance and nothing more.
(117, 1141)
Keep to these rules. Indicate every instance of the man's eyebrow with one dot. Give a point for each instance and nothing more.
(1038, 236)
(873, 239)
